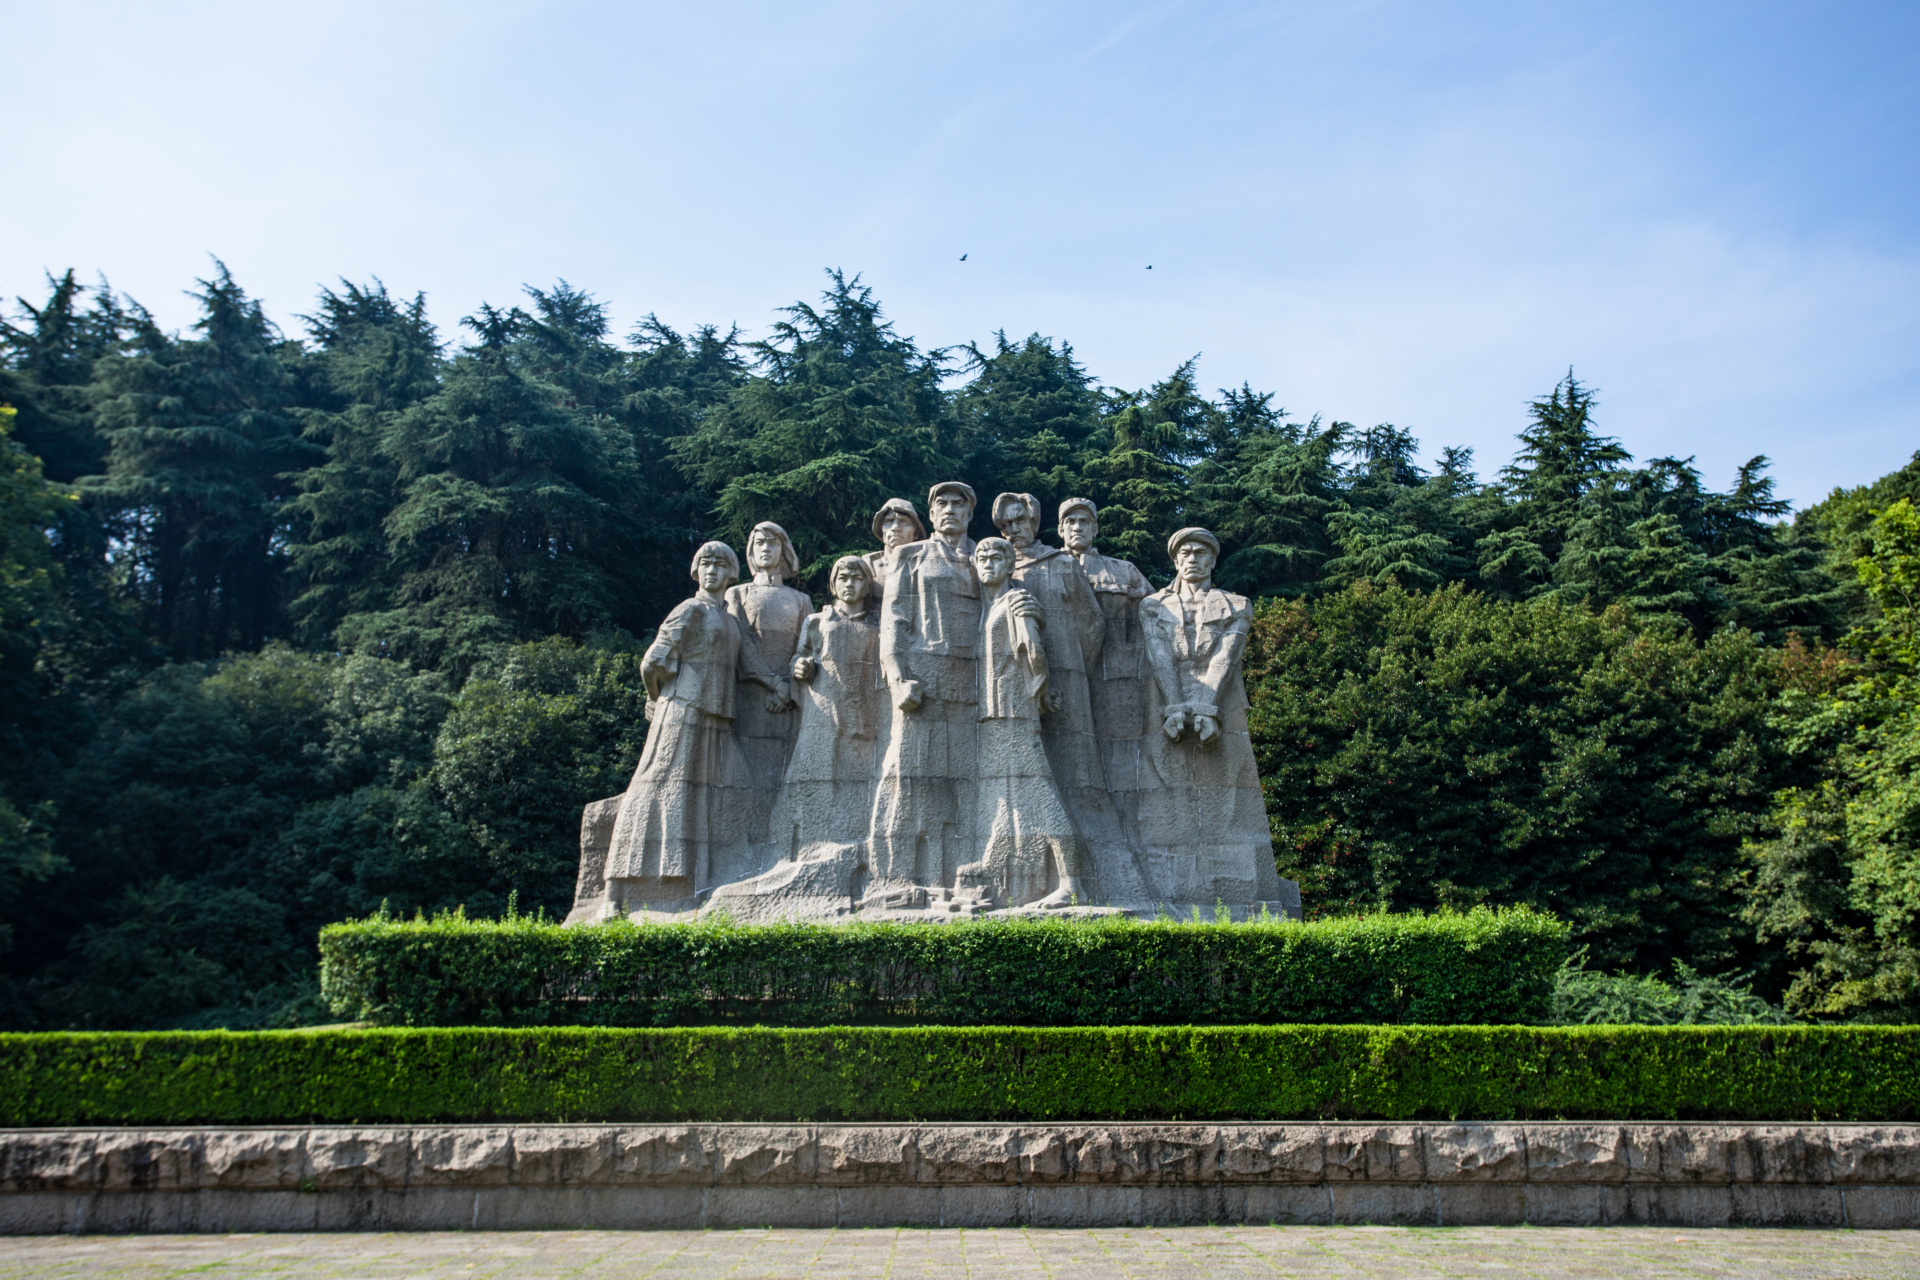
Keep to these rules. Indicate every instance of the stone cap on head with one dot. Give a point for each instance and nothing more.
(965, 490)
(1005, 500)
(1192, 533)
(906, 508)
(1085, 504)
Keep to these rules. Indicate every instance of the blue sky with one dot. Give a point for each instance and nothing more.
(1416, 213)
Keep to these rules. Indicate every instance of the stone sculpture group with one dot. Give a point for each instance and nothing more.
(966, 729)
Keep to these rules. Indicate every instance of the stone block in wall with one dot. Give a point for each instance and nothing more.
(1576, 1153)
(366, 1158)
(253, 1159)
(763, 1155)
(562, 1156)
(663, 1155)
(1876, 1153)
(968, 1153)
(461, 1157)
(148, 1160)
(1475, 1153)
(851, 1155)
(1284, 1153)
(49, 1160)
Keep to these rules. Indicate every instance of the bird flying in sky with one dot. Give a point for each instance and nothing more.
(963, 257)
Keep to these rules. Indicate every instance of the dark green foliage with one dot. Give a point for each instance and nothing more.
(847, 415)
(967, 1074)
(1441, 749)
(449, 509)
(1483, 966)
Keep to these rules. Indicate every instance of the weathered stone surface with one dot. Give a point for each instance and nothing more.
(342, 1158)
(855, 1154)
(1576, 1153)
(49, 1161)
(967, 744)
(1475, 1153)
(1141, 1154)
(438, 1177)
(1374, 1153)
(1876, 1153)
(1289, 1153)
(460, 1157)
(664, 1155)
(551, 1156)
(968, 1153)
(253, 1159)
(757, 1156)
(1683, 1154)
(134, 1160)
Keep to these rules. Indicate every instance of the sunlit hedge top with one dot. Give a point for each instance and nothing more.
(1482, 966)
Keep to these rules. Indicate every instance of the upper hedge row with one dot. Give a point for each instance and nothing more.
(1483, 966)
(480, 1074)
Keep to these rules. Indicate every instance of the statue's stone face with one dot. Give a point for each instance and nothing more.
(715, 573)
(763, 551)
(896, 530)
(1019, 524)
(992, 563)
(1078, 529)
(850, 585)
(950, 512)
(1194, 561)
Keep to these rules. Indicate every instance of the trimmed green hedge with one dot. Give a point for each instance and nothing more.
(1482, 966)
(987, 1073)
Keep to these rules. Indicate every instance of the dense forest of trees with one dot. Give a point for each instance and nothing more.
(294, 626)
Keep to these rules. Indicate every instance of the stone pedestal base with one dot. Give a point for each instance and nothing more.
(1054, 1175)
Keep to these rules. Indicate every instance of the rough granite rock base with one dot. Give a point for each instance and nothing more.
(1065, 1175)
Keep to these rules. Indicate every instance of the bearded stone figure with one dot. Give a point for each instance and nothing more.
(693, 788)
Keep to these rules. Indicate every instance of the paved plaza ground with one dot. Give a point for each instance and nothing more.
(1099, 1254)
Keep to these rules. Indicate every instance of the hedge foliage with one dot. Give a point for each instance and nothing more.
(950, 1073)
(1482, 966)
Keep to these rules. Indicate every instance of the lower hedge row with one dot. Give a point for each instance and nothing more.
(947, 1073)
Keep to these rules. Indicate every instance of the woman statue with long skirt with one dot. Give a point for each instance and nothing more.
(828, 793)
(693, 789)
(1031, 853)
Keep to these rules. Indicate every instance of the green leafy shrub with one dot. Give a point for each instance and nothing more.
(1481, 966)
(1586, 997)
(408, 1075)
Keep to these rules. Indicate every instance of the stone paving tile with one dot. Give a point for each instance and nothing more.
(1153, 1253)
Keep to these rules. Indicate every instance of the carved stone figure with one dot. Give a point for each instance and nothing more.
(929, 627)
(772, 613)
(895, 524)
(1204, 822)
(1002, 727)
(1030, 849)
(1074, 634)
(693, 788)
(1116, 684)
(828, 793)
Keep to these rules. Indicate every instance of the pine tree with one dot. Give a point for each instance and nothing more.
(202, 436)
(844, 415)
(1025, 421)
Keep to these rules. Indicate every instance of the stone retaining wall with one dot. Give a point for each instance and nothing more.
(727, 1175)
